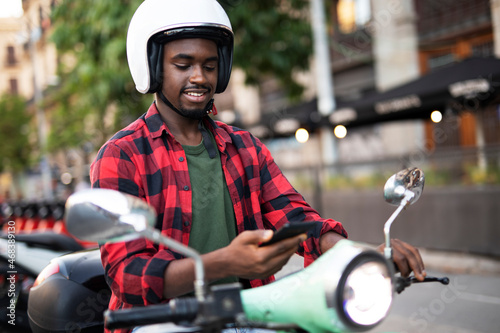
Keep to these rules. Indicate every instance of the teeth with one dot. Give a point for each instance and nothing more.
(195, 94)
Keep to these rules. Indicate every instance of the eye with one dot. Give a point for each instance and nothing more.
(210, 66)
(182, 67)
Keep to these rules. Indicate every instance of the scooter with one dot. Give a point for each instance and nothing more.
(349, 288)
(24, 253)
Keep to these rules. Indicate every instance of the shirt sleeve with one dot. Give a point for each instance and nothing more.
(134, 270)
(282, 203)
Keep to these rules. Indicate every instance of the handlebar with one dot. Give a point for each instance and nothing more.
(176, 311)
(402, 283)
(223, 306)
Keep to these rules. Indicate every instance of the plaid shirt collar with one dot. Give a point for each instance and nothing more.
(157, 127)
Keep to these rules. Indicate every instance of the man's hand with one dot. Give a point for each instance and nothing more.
(242, 258)
(406, 258)
(248, 260)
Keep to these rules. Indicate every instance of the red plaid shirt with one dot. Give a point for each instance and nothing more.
(146, 161)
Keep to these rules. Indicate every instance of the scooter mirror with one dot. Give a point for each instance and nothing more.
(103, 215)
(407, 183)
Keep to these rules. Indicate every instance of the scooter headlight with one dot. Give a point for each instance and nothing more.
(348, 289)
(365, 293)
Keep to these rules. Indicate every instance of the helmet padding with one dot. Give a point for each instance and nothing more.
(157, 43)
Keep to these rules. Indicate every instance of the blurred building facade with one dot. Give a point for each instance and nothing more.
(29, 60)
(29, 68)
(9, 53)
(376, 47)
(393, 63)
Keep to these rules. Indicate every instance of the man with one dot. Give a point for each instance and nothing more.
(215, 188)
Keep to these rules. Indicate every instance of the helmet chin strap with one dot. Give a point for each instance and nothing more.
(208, 107)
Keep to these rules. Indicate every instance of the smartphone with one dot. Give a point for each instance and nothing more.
(290, 229)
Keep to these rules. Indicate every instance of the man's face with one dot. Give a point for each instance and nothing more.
(190, 74)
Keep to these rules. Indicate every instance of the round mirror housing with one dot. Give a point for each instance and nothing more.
(102, 215)
(407, 183)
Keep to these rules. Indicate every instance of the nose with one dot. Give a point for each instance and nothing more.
(197, 75)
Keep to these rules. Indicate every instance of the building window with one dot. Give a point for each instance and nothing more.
(441, 18)
(440, 60)
(490, 119)
(352, 15)
(11, 56)
(482, 50)
(13, 86)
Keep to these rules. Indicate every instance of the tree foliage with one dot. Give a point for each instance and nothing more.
(15, 147)
(97, 96)
(272, 37)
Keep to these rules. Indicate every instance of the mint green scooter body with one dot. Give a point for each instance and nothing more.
(305, 298)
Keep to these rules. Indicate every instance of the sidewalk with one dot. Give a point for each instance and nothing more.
(460, 263)
(441, 261)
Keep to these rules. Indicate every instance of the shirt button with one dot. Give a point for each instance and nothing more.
(186, 223)
(181, 159)
(186, 188)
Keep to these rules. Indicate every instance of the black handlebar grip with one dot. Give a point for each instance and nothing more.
(176, 311)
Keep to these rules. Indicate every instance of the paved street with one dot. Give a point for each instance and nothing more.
(469, 304)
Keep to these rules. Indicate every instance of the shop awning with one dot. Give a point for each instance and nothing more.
(469, 84)
(466, 85)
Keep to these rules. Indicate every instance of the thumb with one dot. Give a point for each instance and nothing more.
(256, 236)
(266, 235)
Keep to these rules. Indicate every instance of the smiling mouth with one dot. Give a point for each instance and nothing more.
(195, 94)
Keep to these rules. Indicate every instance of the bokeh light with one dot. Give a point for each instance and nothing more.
(302, 135)
(340, 131)
(436, 116)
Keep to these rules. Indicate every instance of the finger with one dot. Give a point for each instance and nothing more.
(400, 257)
(266, 235)
(276, 263)
(251, 261)
(287, 245)
(415, 261)
(255, 236)
(279, 265)
(265, 261)
(401, 264)
(407, 259)
(277, 255)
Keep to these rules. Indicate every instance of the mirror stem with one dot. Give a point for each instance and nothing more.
(199, 282)
(387, 226)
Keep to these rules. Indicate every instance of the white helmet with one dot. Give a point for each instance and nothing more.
(157, 22)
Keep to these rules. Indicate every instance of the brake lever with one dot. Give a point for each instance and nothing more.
(402, 283)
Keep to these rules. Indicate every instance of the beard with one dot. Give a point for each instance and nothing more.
(196, 114)
(192, 113)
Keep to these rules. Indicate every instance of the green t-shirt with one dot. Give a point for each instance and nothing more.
(214, 224)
